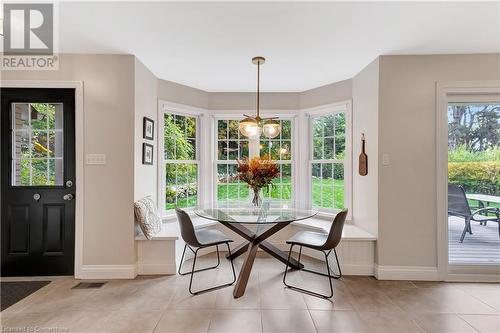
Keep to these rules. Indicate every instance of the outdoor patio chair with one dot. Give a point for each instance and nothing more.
(200, 239)
(459, 206)
(320, 241)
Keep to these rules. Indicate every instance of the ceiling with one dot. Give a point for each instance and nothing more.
(210, 45)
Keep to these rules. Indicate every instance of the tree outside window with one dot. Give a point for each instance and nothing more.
(181, 161)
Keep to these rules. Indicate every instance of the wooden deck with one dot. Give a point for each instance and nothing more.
(482, 247)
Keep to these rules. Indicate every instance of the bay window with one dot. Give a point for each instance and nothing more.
(181, 161)
(322, 179)
(330, 160)
(279, 149)
(232, 145)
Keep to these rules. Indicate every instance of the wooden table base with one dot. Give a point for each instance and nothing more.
(250, 248)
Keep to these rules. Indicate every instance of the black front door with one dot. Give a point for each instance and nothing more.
(38, 181)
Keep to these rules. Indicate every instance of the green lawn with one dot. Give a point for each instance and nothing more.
(328, 193)
(331, 195)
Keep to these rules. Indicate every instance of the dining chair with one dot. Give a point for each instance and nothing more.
(320, 241)
(200, 239)
(458, 205)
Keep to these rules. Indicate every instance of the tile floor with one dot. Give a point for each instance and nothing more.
(163, 304)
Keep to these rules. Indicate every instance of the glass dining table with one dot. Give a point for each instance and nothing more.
(255, 225)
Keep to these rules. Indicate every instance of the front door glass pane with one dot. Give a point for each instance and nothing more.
(38, 142)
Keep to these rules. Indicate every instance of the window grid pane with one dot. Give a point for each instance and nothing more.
(181, 164)
(328, 157)
(231, 145)
(37, 154)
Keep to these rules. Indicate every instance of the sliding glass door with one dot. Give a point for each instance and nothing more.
(473, 181)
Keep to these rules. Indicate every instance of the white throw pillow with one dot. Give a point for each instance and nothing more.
(147, 217)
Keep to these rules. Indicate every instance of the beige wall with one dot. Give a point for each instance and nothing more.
(146, 105)
(247, 101)
(393, 98)
(108, 123)
(365, 92)
(178, 93)
(230, 101)
(334, 92)
(407, 132)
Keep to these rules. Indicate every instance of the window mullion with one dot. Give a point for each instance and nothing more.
(187, 185)
(321, 184)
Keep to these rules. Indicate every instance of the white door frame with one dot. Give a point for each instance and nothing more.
(444, 92)
(79, 146)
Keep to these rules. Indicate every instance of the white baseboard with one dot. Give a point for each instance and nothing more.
(491, 278)
(104, 272)
(417, 273)
(155, 269)
(357, 269)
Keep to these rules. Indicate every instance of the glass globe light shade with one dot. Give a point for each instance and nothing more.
(271, 128)
(249, 128)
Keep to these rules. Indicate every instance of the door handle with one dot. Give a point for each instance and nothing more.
(68, 197)
(36, 196)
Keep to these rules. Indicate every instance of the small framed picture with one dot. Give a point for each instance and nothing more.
(148, 128)
(147, 154)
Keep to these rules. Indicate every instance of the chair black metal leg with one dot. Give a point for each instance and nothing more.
(467, 228)
(194, 271)
(232, 264)
(286, 266)
(199, 270)
(338, 264)
(463, 234)
(182, 258)
(329, 275)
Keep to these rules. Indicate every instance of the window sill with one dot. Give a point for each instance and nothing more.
(173, 217)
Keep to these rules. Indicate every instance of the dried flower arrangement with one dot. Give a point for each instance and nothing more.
(257, 172)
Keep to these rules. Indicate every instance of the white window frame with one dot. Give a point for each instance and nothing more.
(254, 149)
(311, 113)
(165, 107)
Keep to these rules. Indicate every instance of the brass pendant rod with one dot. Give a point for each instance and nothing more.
(258, 92)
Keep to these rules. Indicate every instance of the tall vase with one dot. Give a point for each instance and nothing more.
(257, 200)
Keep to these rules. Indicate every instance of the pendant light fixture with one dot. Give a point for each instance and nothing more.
(250, 126)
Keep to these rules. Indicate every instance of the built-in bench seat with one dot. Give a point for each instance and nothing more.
(350, 232)
(160, 254)
(170, 230)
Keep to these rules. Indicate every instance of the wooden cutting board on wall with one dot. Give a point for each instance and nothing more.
(363, 158)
